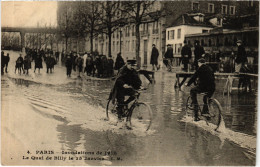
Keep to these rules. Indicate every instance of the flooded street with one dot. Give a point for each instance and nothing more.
(65, 117)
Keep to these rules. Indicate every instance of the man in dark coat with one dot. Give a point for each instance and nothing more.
(6, 61)
(99, 67)
(19, 64)
(48, 63)
(126, 83)
(69, 64)
(27, 63)
(154, 57)
(38, 62)
(104, 63)
(198, 52)
(168, 57)
(241, 58)
(185, 55)
(2, 62)
(119, 62)
(89, 65)
(206, 84)
(79, 63)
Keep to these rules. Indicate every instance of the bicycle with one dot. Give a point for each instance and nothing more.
(215, 111)
(139, 113)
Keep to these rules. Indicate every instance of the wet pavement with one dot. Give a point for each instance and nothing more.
(66, 115)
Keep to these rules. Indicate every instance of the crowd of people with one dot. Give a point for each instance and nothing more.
(94, 65)
(23, 63)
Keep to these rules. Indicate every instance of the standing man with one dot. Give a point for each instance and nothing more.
(69, 63)
(241, 58)
(198, 52)
(169, 57)
(79, 64)
(185, 55)
(154, 57)
(6, 61)
(2, 62)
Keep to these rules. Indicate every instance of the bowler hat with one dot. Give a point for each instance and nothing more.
(132, 62)
(201, 60)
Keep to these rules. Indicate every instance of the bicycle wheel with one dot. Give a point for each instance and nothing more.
(141, 116)
(111, 108)
(215, 111)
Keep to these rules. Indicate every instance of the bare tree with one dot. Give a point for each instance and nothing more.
(65, 21)
(138, 12)
(89, 14)
(111, 19)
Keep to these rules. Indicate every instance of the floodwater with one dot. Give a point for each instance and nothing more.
(64, 115)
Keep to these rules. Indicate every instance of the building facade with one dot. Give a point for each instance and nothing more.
(170, 28)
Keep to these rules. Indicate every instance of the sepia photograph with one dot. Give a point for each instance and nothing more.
(129, 83)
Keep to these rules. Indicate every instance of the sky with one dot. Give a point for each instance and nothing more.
(28, 13)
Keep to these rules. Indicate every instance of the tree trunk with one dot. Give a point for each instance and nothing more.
(91, 42)
(66, 44)
(137, 49)
(109, 41)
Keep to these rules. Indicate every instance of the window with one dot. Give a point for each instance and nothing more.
(232, 10)
(224, 9)
(172, 34)
(113, 45)
(117, 46)
(211, 8)
(133, 45)
(168, 35)
(205, 31)
(179, 34)
(195, 6)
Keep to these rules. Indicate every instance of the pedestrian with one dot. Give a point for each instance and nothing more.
(7, 59)
(110, 66)
(89, 65)
(48, 63)
(185, 55)
(154, 57)
(168, 57)
(241, 58)
(245, 79)
(57, 55)
(198, 52)
(19, 64)
(98, 64)
(2, 62)
(53, 63)
(69, 65)
(119, 62)
(38, 62)
(74, 57)
(27, 64)
(79, 64)
(104, 63)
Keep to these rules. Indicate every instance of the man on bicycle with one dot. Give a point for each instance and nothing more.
(206, 84)
(126, 83)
